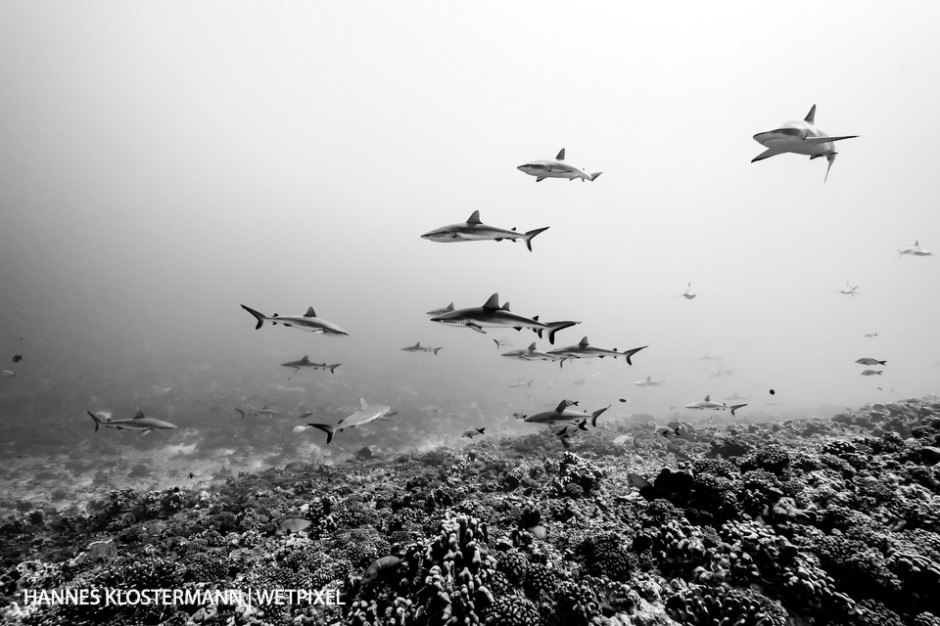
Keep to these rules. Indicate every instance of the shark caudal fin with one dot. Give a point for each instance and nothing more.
(436, 350)
(532, 233)
(327, 429)
(259, 316)
(554, 327)
(97, 420)
(333, 368)
(594, 175)
(242, 412)
(629, 353)
(735, 407)
(597, 414)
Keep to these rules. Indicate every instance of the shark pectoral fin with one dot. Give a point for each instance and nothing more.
(476, 328)
(766, 154)
(540, 179)
(817, 140)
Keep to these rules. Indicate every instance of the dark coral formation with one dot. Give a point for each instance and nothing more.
(796, 523)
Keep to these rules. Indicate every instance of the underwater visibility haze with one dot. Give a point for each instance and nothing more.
(174, 175)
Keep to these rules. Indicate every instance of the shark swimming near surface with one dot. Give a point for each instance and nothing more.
(799, 137)
(308, 321)
(475, 230)
(139, 422)
(491, 315)
(367, 413)
(555, 168)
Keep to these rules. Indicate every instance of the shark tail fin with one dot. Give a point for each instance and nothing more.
(242, 412)
(831, 158)
(735, 407)
(554, 327)
(436, 350)
(333, 368)
(327, 429)
(595, 175)
(597, 414)
(883, 362)
(532, 233)
(258, 316)
(564, 441)
(97, 420)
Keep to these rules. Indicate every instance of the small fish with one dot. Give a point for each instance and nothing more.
(638, 481)
(294, 524)
(17, 358)
(871, 372)
(869, 361)
(474, 432)
(7, 374)
(191, 475)
(519, 416)
(378, 568)
(871, 335)
(419, 348)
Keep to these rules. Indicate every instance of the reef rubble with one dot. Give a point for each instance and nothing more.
(795, 523)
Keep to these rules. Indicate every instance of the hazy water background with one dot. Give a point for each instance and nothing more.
(162, 163)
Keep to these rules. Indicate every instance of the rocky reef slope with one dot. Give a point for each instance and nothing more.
(805, 522)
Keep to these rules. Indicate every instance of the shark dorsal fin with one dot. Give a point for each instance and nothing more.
(505, 306)
(532, 347)
(561, 155)
(708, 398)
(140, 415)
(418, 345)
(305, 359)
(474, 218)
(363, 404)
(811, 116)
(450, 307)
(648, 378)
(561, 406)
(492, 302)
(584, 342)
(917, 243)
(310, 312)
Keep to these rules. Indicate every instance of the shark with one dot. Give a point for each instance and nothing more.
(799, 137)
(419, 348)
(708, 357)
(722, 372)
(689, 294)
(565, 434)
(849, 289)
(7, 374)
(308, 321)
(139, 422)
(493, 316)
(562, 414)
(366, 413)
(522, 383)
(649, 382)
(584, 350)
(555, 168)
(446, 309)
(735, 396)
(870, 335)
(534, 354)
(914, 250)
(707, 403)
(262, 411)
(306, 363)
(501, 343)
(475, 230)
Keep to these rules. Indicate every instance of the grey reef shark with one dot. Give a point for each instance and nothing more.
(308, 321)
(555, 168)
(562, 414)
(475, 230)
(139, 422)
(584, 350)
(491, 315)
(367, 413)
(799, 137)
(419, 348)
(708, 404)
(306, 363)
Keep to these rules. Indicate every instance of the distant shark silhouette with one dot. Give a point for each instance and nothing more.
(475, 230)
(799, 137)
(914, 250)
